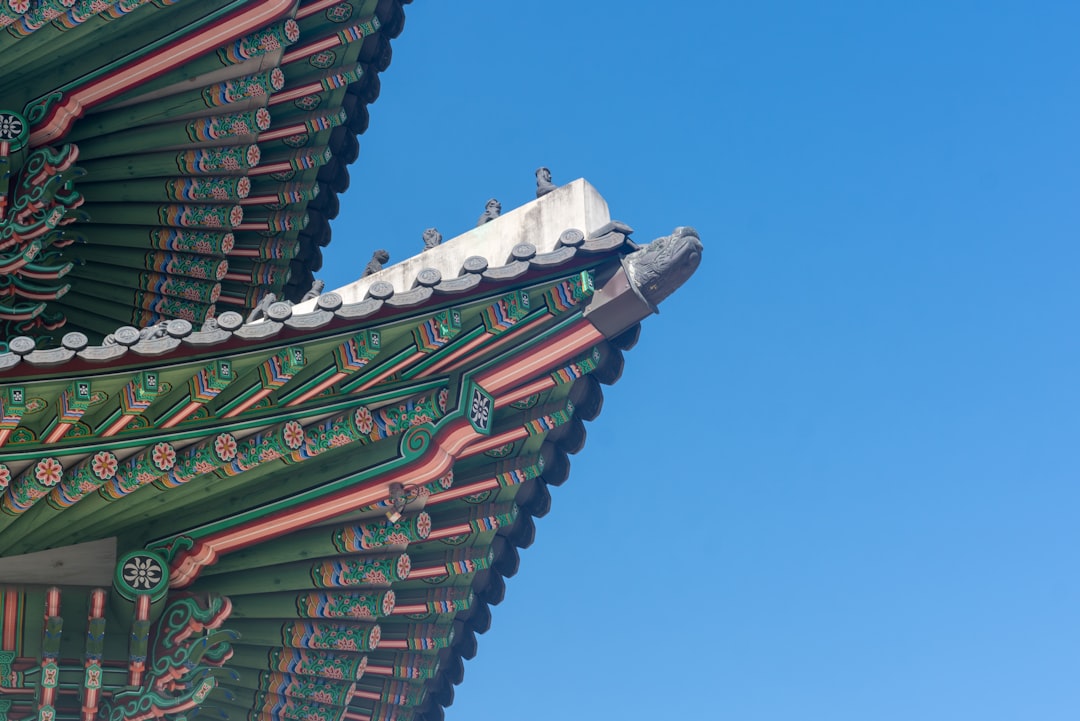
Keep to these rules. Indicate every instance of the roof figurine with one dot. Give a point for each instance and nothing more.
(315, 291)
(543, 182)
(261, 308)
(492, 210)
(374, 265)
(432, 237)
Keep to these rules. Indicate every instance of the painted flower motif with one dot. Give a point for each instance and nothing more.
(225, 447)
(404, 566)
(145, 477)
(104, 465)
(243, 187)
(423, 525)
(163, 456)
(339, 439)
(5, 476)
(364, 421)
(142, 573)
(389, 600)
(48, 472)
(322, 696)
(19, 6)
(293, 435)
(346, 644)
(268, 454)
(374, 576)
(10, 127)
(443, 398)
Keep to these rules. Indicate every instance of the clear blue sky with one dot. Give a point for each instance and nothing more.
(839, 477)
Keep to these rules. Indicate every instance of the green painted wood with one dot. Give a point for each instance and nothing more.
(226, 160)
(214, 217)
(241, 126)
(242, 93)
(255, 45)
(221, 189)
(199, 267)
(35, 55)
(202, 242)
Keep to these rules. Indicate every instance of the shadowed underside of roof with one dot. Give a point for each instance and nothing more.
(196, 151)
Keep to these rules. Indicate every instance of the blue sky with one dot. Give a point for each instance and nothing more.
(838, 479)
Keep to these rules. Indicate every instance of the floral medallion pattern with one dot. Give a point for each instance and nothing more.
(323, 664)
(331, 637)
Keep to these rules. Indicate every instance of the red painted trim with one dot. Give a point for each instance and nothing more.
(250, 402)
(537, 386)
(142, 613)
(59, 432)
(403, 363)
(11, 620)
(486, 444)
(182, 414)
(246, 19)
(312, 8)
(317, 389)
(117, 426)
(434, 367)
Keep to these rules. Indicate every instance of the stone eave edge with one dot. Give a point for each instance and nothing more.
(526, 239)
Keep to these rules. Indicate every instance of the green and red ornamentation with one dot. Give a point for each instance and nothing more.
(255, 450)
(218, 160)
(330, 636)
(568, 293)
(580, 367)
(367, 607)
(430, 637)
(201, 216)
(84, 479)
(212, 188)
(352, 539)
(283, 708)
(416, 667)
(32, 485)
(270, 39)
(323, 664)
(173, 286)
(339, 13)
(323, 59)
(308, 102)
(219, 127)
(138, 471)
(298, 140)
(376, 572)
(192, 241)
(199, 267)
(400, 693)
(5, 477)
(307, 688)
(240, 89)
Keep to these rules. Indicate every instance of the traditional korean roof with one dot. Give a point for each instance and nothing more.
(331, 494)
(175, 160)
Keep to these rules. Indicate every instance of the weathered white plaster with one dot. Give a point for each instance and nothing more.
(540, 222)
